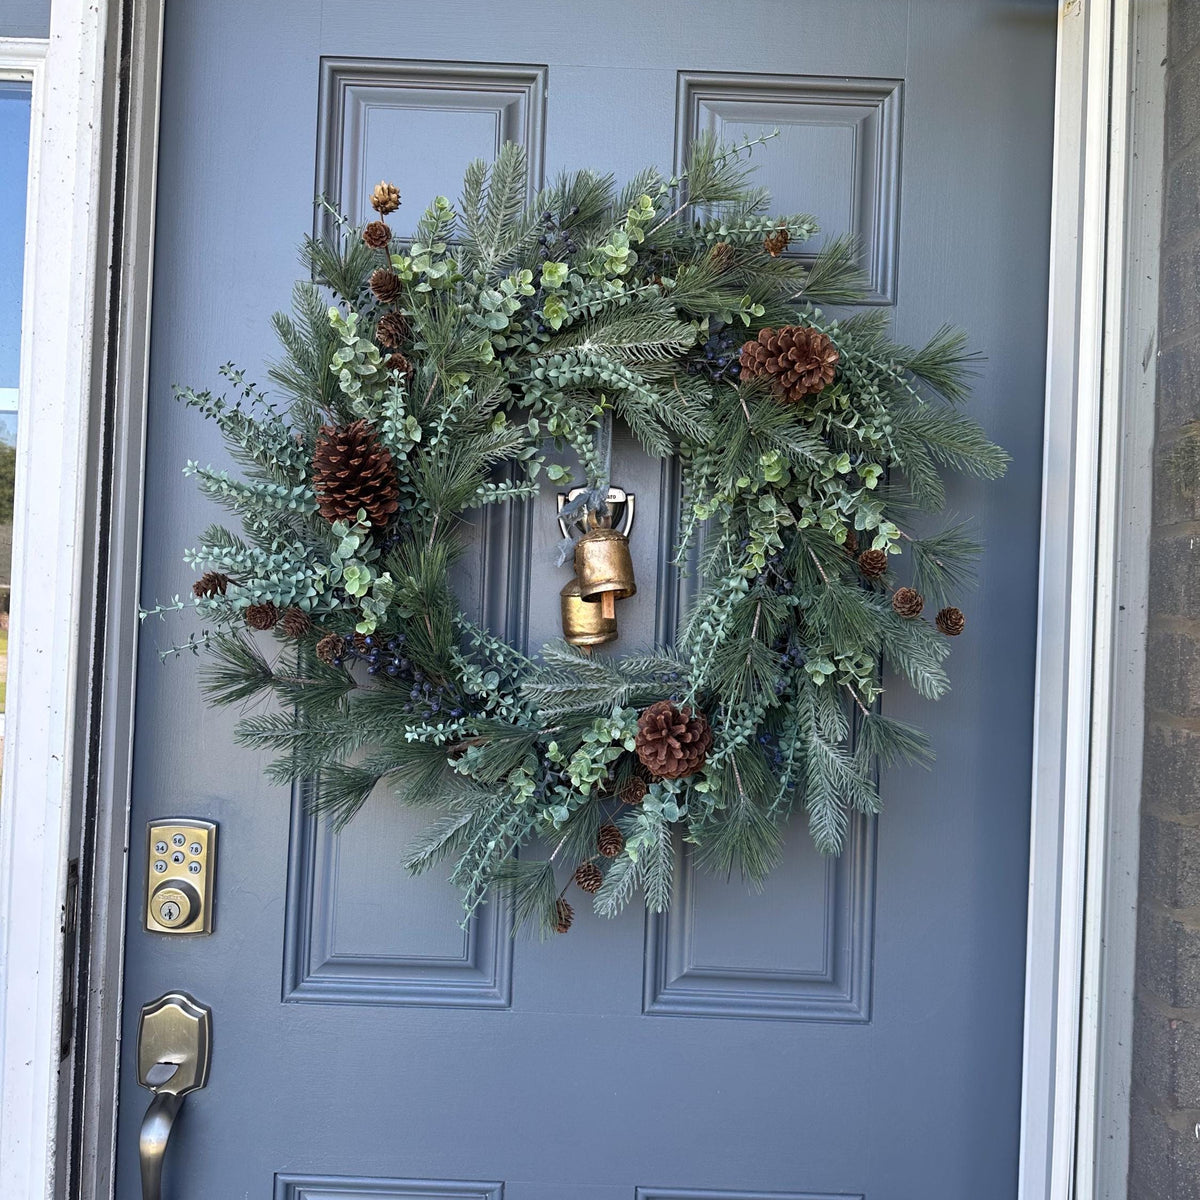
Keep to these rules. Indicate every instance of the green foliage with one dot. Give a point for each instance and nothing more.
(527, 328)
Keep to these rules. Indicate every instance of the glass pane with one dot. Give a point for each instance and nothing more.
(15, 101)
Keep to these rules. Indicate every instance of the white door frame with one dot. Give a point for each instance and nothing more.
(88, 358)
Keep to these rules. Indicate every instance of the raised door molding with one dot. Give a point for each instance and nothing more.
(703, 1194)
(837, 155)
(340, 949)
(378, 116)
(332, 1187)
(817, 969)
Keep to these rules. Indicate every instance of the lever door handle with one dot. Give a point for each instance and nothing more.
(174, 1054)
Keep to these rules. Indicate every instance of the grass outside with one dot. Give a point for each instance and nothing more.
(3, 668)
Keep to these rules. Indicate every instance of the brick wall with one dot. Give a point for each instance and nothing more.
(1165, 1107)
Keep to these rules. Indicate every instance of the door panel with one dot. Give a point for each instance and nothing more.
(364, 1044)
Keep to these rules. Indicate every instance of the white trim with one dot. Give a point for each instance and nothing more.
(1086, 465)
(62, 252)
(1122, 596)
(1095, 530)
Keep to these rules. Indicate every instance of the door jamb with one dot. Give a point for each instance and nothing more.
(1091, 513)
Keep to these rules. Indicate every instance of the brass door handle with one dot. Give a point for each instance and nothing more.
(174, 1053)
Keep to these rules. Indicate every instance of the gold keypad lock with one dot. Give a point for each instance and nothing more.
(179, 875)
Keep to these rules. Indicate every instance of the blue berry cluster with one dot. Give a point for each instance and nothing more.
(722, 355)
(556, 236)
(385, 655)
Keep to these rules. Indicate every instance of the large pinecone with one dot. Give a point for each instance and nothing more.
(385, 198)
(211, 583)
(352, 470)
(672, 742)
(800, 361)
(589, 877)
(950, 621)
(907, 602)
(564, 914)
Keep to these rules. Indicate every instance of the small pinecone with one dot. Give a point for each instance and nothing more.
(721, 256)
(377, 235)
(385, 285)
(385, 198)
(262, 616)
(294, 623)
(851, 543)
(391, 330)
(329, 649)
(634, 792)
(352, 470)
(776, 243)
(564, 914)
(589, 877)
(799, 360)
(672, 742)
(873, 563)
(397, 362)
(610, 841)
(950, 621)
(211, 583)
(907, 602)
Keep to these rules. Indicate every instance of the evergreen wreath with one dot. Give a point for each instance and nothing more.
(430, 378)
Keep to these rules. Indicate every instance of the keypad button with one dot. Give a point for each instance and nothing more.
(160, 847)
(160, 866)
(178, 839)
(194, 868)
(177, 857)
(195, 848)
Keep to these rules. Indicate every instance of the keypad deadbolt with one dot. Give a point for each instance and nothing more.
(181, 855)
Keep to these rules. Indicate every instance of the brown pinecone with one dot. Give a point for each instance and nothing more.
(294, 623)
(672, 742)
(397, 362)
(776, 243)
(391, 330)
(610, 841)
(907, 602)
(851, 543)
(211, 583)
(352, 470)
(799, 360)
(564, 914)
(385, 285)
(262, 616)
(950, 621)
(721, 256)
(377, 235)
(873, 563)
(329, 648)
(634, 792)
(589, 877)
(385, 198)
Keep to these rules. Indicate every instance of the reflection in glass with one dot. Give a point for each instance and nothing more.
(15, 103)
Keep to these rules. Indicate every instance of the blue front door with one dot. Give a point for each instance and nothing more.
(854, 1030)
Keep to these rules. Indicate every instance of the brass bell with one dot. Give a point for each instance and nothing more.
(604, 569)
(585, 624)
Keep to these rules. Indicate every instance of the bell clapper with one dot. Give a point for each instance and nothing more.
(608, 605)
